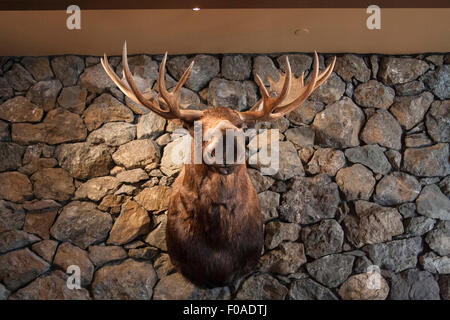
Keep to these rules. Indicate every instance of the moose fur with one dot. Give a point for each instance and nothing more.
(215, 227)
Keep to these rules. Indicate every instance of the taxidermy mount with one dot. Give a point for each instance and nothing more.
(214, 223)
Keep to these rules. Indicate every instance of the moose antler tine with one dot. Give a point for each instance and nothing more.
(132, 91)
(123, 87)
(286, 85)
(326, 73)
(183, 78)
(142, 100)
(262, 87)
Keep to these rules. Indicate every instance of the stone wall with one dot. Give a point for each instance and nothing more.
(85, 179)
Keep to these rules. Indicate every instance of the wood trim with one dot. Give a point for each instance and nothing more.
(214, 4)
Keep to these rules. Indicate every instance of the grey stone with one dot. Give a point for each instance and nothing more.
(157, 237)
(205, 68)
(132, 176)
(401, 70)
(6, 91)
(261, 287)
(445, 186)
(45, 249)
(357, 287)
(15, 239)
(50, 287)
(352, 66)
(95, 79)
(418, 226)
(39, 67)
(444, 286)
(15, 186)
(236, 67)
(310, 199)
(300, 136)
(269, 202)
(4, 293)
(410, 88)
(323, 238)
(73, 99)
(414, 285)
(44, 93)
(284, 260)
(397, 188)
(4, 131)
(437, 121)
(53, 183)
(330, 91)
(433, 263)
(308, 289)
(19, 267)
(428, 161)
(356, 182)
(396, 255)
(371, 156)
(113, 134)
(276, 232)
(83, 160)
(439, 238)
(10, 156)
(331, 270)
(176, 287)
(163, 266)
(143, 67)
(100, 255)
(439, 81)
(150, 125)
(305, 113)
(118, 283)
(12, 215)
(383, 129)
(19, 78)
(417, 140)
(264, 67)
(407, 210)
(339, 124)
(374, 94)
(96, 188)
(260, 182)
(59, 126)
(433, 203)
(154, 198)
(68, 255)
(137, 153)
(226, 93)
(20, 109)
(67, 69)
(372, 223)
(106, 108)
(289, 163)
(326, 160)
(409, 111)
(81, 224)
(299, 63)
(132, 222)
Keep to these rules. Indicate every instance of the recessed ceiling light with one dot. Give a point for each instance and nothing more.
(196, 9)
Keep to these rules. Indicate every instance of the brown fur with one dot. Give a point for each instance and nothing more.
(214, 228)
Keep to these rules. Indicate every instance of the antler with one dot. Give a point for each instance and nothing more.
(166, 103)
(285, 101)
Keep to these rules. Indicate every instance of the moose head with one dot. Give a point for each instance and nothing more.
(214, 224)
